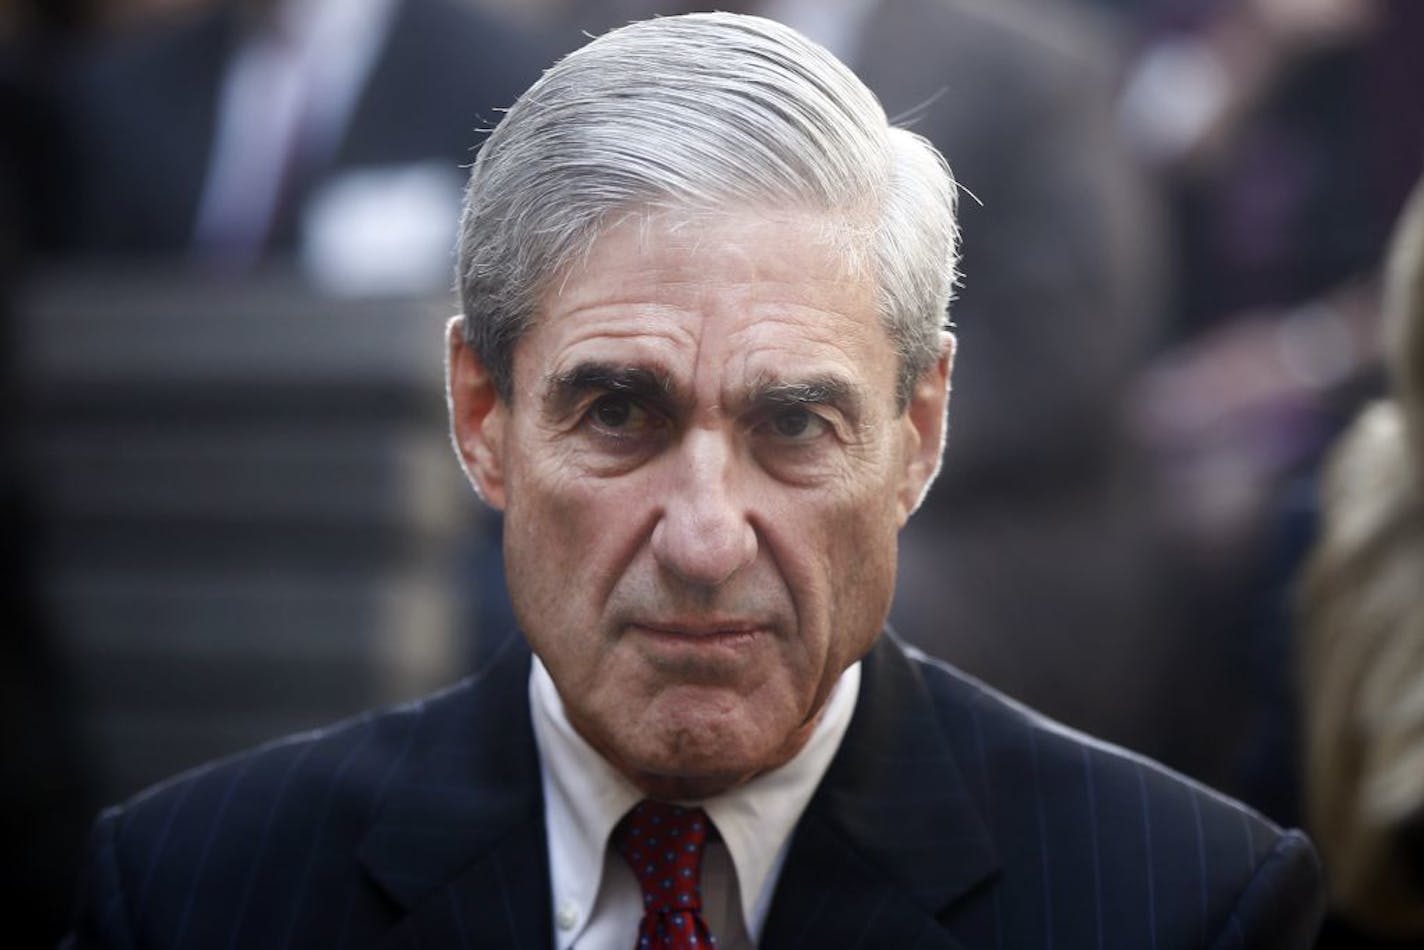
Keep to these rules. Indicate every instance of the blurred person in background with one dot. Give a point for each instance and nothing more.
(1286, 136)
(1363, 639)
(238, 132)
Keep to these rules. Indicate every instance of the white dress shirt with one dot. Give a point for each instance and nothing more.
(596, 899)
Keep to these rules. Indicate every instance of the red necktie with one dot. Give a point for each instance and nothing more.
(663, 845)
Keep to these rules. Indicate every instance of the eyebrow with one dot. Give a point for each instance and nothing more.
(825, 390)
(656, 389)
(565, 389)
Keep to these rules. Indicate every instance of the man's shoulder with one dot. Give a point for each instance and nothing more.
(225, 819)
(297, 810)
(1010, 741)
(1086, 812)
(335, 760)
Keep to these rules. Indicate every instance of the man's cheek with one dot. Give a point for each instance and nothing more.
(865, 548)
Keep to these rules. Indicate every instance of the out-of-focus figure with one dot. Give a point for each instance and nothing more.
(1287, 136)
(1364, 640)
(333, 129)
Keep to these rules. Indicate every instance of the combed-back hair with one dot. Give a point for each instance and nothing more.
(703, 113)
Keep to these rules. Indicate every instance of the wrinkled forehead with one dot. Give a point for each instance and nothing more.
(747, 297)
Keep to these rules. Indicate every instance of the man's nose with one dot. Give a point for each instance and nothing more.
(704, 535)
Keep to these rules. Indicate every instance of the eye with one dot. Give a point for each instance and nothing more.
(620, 415)
(613, 412)
(797, 425)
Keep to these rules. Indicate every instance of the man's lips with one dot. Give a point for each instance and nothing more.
(703, 630)
(702, 627)
(705, 652)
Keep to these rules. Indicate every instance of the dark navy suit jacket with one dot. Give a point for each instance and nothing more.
(950, 817)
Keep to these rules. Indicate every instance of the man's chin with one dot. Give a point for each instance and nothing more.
(689, 763)
(682, 741)
(686, 765)
(686, 788)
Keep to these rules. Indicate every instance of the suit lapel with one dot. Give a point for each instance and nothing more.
(459, 845)
(891, 838)
(500, 899)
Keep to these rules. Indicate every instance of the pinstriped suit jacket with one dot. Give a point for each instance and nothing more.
(950, 817)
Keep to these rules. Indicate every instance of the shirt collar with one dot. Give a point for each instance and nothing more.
(585, 797)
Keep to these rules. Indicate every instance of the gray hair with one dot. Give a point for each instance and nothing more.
(703, 112)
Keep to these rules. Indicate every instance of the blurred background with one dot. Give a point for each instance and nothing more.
(229, 507)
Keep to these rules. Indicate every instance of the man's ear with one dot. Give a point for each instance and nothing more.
(478, 415)
(925, 424)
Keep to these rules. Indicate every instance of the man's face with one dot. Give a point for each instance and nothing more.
(703, 475)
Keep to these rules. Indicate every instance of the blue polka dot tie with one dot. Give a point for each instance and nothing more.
(663, 845)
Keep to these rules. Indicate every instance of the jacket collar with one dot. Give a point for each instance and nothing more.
(892, 837)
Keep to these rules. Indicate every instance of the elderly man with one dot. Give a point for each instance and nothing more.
(702, 369)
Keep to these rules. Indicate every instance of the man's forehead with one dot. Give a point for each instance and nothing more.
(676, 348)
(657, 263)
(743, 302)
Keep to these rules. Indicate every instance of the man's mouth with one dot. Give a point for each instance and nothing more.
(703, 627)
(702, 634)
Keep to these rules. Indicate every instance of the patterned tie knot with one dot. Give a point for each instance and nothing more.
(663, 845)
